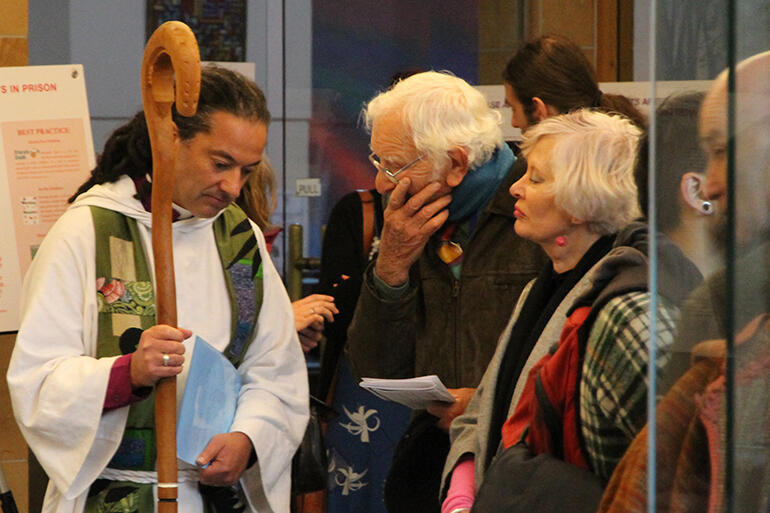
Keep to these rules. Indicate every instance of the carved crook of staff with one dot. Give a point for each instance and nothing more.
(172, 47)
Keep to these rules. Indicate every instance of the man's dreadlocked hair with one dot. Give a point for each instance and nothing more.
(127, 151)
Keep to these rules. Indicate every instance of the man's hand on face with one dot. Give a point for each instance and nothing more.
(408, 224)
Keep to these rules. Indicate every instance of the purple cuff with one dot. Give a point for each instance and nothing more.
(119, 391)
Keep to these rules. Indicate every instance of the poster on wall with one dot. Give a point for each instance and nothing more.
(46, 152)
(218, 25)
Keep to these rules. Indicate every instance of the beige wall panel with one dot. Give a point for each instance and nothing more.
(573, 19)
(625, 40)
(12, 446)
(13, 18)
(491, 66)
(532, 23)
(16, 476)
(13, 449)
(14, 51)
(497, 25)
(607, 37)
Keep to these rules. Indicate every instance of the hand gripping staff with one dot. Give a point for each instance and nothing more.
(172, 47)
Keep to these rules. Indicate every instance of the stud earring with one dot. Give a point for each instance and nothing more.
(561, 241)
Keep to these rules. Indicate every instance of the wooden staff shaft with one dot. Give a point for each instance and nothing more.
(172, 47)
(165, 389)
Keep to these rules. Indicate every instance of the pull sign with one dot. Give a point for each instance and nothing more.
(308, 187)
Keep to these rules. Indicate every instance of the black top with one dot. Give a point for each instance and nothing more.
(342, 254)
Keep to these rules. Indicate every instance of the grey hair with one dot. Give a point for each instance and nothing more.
(592, 163)
(440, 112)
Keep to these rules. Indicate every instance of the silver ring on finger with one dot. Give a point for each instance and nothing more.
(166, 358)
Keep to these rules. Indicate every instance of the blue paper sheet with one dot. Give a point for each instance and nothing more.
(209, 400)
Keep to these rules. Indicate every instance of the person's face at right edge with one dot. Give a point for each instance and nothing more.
(752, 164)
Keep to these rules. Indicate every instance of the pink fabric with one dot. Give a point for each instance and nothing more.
(461, 490)
(119, 391)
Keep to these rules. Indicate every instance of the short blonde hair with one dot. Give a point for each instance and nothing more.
(592, 163)
(440, 112)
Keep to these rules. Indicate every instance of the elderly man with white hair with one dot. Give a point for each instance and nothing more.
(450, 266)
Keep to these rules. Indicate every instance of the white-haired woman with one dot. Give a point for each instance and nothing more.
(578, 201)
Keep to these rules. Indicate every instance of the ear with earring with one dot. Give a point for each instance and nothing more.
(691, 188)
(561, 241)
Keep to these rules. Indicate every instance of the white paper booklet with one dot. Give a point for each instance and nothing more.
(416, 393)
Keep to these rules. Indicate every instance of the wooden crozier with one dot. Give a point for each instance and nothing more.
(171, 48)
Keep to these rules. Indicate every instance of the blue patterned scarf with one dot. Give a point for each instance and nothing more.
(480, 184)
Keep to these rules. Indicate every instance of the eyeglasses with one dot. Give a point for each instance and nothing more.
(392, 175)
